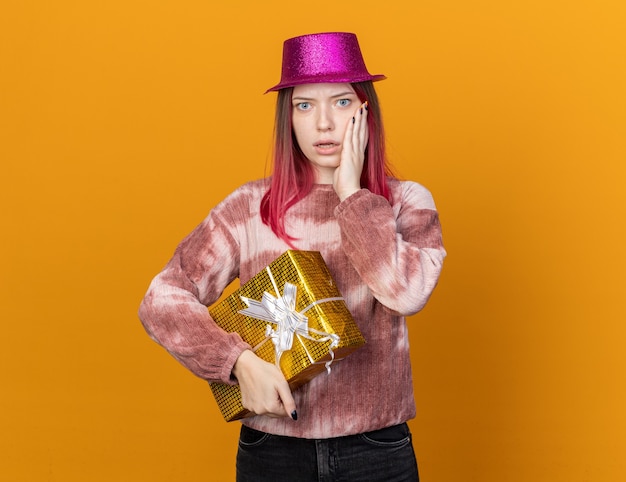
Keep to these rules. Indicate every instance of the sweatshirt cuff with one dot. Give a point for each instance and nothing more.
(362, 200)
(350, 200)
(226, 374)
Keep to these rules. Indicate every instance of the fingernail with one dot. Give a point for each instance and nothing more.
(366, 106)
(294, 415)
(353, 120)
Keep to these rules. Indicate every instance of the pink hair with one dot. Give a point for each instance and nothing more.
(293, 175)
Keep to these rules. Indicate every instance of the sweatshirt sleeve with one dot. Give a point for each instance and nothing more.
(397, 250)
(174, 310)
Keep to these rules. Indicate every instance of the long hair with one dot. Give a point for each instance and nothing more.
(293, 176)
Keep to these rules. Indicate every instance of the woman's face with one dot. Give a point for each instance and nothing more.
(320, 115)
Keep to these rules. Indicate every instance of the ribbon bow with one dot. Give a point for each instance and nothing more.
(281, 311)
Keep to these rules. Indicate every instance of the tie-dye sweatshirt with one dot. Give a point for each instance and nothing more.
(385, 258)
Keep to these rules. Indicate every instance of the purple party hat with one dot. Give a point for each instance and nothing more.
(323, 57)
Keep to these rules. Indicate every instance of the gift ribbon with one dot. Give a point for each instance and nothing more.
(290, 323)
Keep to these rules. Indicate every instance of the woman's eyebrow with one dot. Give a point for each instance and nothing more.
(334, 96)
(343, 94)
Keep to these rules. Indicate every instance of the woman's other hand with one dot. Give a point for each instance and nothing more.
(264, 390)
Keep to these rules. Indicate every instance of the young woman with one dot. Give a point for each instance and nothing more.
(331, 191)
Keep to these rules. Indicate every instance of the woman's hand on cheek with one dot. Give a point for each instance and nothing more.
(347, 177)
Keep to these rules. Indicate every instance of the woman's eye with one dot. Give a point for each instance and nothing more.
(343, 102)
(303, 106)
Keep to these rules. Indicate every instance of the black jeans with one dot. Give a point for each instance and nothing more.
(383, 455)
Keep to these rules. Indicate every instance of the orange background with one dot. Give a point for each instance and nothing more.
(124, 122)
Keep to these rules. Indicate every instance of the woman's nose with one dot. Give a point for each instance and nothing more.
(325, 121)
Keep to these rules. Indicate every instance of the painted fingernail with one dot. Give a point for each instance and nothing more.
(366, 106)
(361, 110)
(353, 120)
(294, 415)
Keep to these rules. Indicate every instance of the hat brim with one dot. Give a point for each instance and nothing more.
(325, 79)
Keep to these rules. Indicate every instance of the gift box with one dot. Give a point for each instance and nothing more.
(293, 315)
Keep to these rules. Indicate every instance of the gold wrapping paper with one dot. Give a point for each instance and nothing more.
(307, 358)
